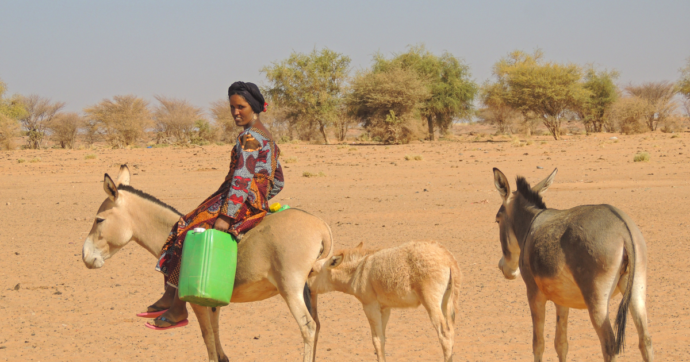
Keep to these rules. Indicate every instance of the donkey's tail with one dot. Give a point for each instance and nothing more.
(452, 294)
(326, 244)
(622, 316)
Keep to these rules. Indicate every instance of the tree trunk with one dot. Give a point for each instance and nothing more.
(430, 122)
(322, 128)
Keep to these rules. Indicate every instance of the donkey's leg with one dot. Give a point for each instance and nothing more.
(537, 306)
(433, 305)
(315, 316)
(373, 313)
(202, 314)
(294, 297)
(561, 340)
(638, 310)
(215, 316)
(598, 307)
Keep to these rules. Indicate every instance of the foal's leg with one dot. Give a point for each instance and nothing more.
(202, 314)
(373, 313)
(215, 316)
(432, 304)
(294, 297)
(537, 306)
(561, 340)
(315, 316)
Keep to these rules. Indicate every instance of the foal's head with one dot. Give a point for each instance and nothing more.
(511, 216)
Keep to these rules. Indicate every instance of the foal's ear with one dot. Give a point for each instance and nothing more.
(541, 187)
(501, 183)
(110, 188)
(335, 261)
(123, 176)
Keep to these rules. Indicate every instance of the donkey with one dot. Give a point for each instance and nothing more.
(406, 276)
(275, 257)
(577, 258)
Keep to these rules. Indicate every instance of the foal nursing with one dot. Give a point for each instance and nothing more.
(402, 277)
(577, 258)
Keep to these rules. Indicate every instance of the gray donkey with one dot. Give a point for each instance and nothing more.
(577, 258)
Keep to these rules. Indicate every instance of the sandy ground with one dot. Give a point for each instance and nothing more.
(65, 312)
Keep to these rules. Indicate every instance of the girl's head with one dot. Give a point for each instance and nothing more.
(246, 102)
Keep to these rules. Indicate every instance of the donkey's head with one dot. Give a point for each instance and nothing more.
(513, 219)
(112, 227)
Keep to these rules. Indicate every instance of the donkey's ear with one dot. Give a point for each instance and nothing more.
(110, 187)
(123, 176)
(335, 261)
(545, 183)
(501, 183)
(360, 246)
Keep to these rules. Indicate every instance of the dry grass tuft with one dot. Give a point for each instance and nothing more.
(414, 157)
(90, 156)
(641, 157)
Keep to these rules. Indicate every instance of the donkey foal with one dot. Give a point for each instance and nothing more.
(402, 277)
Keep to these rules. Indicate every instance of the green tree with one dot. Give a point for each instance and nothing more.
(11, 109)
(122, 120)
(40, 112)
(496, 110)
(387, 102)
(445, 77)
(309, 87)
(549, 90)
(602, 94)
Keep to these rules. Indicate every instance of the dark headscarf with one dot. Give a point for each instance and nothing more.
(251, 93)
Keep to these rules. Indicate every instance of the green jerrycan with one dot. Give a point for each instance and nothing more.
(207, 271)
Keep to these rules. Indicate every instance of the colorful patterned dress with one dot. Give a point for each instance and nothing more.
(255, 177)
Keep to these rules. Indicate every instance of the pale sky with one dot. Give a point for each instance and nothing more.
(80, 52)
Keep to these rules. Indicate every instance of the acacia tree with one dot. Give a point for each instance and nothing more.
(11, 109)
(122, 120)
(496, 110)
(659, 98)
(602, 94)
(40, 112)
(64, 128)
(309, 87)
(549, 90)
(175, 120)
(445, 77)
(386, 102)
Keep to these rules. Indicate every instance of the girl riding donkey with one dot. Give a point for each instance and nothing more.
(240, 203)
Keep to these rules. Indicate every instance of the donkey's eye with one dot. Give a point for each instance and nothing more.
(99, 220)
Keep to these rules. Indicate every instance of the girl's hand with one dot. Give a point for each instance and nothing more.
(222, 223)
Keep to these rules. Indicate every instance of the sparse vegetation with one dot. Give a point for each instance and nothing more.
(122, 120)
(90, 156)
(21, 160)
(35, 160)
(641, 157)
(289, 160)
(64, 129)
(413, 157)
(40, 113)
(309, 174)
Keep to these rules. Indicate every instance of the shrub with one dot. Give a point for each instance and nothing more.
(90, 156)
(641, 157)
(628, 115)
(415, 157)
(21, 160)
(175, 120)
(309, 174)
(122, 121)
(290, 160)
(64, 129)
(35, 160)
(9, 128)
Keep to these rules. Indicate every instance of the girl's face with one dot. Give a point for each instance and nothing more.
(241, 111)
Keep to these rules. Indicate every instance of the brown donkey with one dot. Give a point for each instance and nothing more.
(577, 258)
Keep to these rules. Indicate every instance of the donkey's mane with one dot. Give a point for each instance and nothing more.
(530, 195)
(146, 196)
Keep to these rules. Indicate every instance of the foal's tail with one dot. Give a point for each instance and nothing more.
(452, 294)
(622, 315)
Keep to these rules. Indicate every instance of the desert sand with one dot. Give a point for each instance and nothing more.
(54, 309)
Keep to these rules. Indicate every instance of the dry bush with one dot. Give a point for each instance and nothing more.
(9, 128)
(122, 121)
(671, 124)
(659, 99)
(506, 120)
(40, 112)
(275, 119)
(628, 115)
(203, 133)
(222, 115)
(175, 120)
(64, 129)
